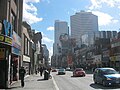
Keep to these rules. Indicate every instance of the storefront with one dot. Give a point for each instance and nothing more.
(26, 64)
(5, 53)
(16, 57)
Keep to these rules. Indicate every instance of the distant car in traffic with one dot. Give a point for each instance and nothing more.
(54, 70)
(68, 69)
(61, 71)
(79, 72)
(106, 76)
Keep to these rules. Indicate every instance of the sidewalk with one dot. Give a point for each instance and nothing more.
(35, 82)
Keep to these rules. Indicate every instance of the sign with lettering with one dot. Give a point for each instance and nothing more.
(5, 32)
(16, 42)
(5, 39)
(6, 28)
(8, 40)
(1, 38)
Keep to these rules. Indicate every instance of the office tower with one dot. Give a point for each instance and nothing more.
(61, 27)
(83, 23)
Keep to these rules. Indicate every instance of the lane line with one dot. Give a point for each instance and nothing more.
(56, 87)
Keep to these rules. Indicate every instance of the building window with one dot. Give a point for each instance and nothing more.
(25, 47)
(28, 47)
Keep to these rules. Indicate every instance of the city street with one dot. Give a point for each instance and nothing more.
(61, 82)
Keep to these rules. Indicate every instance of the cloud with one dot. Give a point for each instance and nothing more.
(95, 4)
(50, 28)
(30, 11)
(36, 31)
(45, 39)
(34, 1)
(48, 1)
(104, 18)
(98, 3)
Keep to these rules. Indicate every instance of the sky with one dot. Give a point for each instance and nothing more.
(41, 15)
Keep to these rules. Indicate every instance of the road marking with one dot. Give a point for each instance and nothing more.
(56, 87)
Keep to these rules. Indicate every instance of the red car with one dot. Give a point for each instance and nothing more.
(54, 70)
(79, 72)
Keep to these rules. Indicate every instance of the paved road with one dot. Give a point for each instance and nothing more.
(61, 82)
(67, 82)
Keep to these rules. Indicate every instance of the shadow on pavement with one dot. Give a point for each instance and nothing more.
(98, 86)
(41, 80)
(15, 87)
(77, 76)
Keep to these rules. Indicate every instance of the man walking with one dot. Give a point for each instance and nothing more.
(22, 75)
(41, 71)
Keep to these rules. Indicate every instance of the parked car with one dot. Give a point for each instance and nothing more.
(61, 71)
(106, 76)
(78, 72)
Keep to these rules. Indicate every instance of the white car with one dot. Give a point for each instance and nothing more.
(61, 71)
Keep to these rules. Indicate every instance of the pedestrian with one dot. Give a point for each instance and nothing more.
(41, 70)
(36, 71)
(22, 75)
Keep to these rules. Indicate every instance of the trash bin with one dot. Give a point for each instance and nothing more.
(46, 75)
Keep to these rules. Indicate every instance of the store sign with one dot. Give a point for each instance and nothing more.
(16, 42)
(1, 38)
(5, 39)
(8, 40)
(16, 51)
(26, 58)
(5, 32)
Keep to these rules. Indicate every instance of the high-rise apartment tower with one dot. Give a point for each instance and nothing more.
(83, 23)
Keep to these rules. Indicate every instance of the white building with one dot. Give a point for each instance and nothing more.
(83, 23)
(61, 27)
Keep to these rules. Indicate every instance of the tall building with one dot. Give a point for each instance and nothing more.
(38, 54)
(61, 27)
(83, 23)
(45, 54)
